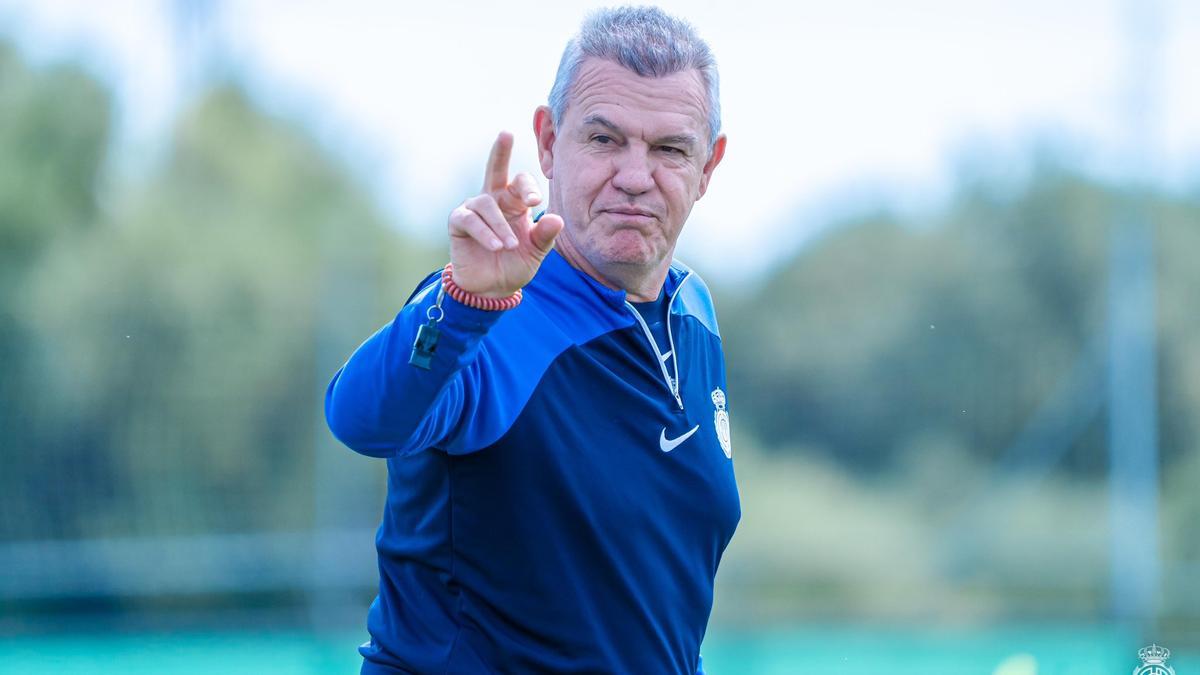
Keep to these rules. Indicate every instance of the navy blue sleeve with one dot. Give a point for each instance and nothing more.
(380, 405)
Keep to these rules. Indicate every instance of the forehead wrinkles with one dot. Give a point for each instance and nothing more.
(602, 84)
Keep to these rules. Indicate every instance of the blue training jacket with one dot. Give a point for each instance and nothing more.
(553, 505)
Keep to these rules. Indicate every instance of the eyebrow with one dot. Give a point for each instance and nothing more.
(600, 120)
(674, 139)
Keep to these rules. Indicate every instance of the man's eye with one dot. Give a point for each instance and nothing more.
(602, 139)
(671, 150)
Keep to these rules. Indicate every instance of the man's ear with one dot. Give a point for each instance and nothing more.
(714, 158)
(543, 128)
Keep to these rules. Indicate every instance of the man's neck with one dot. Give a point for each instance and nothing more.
(639, 285)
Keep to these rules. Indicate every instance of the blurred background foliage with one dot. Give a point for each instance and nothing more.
(162, 347)
(166, 342)
(888, 334)
(888, 370)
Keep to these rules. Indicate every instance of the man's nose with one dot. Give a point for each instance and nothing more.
(633, 172)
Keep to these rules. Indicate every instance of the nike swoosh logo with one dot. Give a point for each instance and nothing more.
(668, 445)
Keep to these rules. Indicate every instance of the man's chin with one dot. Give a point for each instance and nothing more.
(633, 252)
(639, 258)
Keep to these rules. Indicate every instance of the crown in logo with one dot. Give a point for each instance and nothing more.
(1154, 655)
(718, 398)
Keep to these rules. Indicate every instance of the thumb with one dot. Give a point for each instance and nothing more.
(545, 230)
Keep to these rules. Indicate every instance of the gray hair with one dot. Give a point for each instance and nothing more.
(647, 41)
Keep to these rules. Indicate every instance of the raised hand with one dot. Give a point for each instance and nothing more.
(495, 246)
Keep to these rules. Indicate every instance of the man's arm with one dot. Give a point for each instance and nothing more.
(380, 405)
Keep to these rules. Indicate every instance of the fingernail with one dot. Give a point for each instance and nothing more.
(511, 241)
(494, 244)
(532, 197)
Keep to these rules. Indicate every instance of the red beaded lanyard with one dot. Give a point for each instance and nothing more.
(427, 333)
(477, 301)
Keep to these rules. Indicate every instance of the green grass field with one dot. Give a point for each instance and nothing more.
(1026, 650)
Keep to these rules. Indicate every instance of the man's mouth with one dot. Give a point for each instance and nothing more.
(631, 212)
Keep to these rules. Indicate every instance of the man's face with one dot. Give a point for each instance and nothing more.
(627, 162)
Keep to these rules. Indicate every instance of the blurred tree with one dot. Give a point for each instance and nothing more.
(54, 133)
(884, 334)
(1179, 367)
(176, 362)
(52, 143)
(913, 355)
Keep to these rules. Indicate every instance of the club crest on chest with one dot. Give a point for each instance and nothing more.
(721, 421)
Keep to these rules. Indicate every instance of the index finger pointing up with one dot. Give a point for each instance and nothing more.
(496, 177)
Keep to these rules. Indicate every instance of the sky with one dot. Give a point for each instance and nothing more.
(830, 107)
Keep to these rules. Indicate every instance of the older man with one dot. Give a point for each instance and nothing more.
(552, 404)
